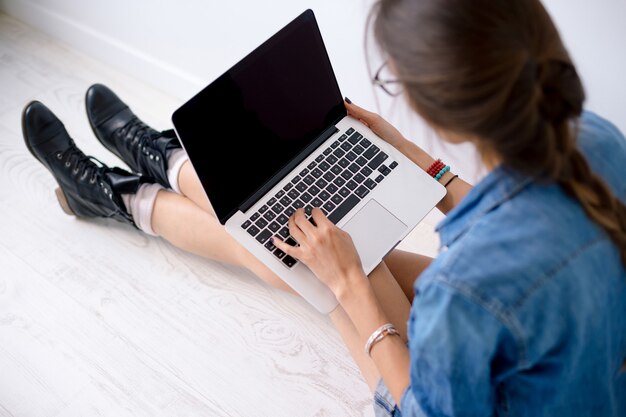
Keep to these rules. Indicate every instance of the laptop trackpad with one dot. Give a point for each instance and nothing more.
(374, 231)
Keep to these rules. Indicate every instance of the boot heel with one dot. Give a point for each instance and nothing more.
(63, 202)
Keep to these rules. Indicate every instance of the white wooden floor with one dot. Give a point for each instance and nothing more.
(99, 319)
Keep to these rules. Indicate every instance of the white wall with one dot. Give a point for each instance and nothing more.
(181, 45)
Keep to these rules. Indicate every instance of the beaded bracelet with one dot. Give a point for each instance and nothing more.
(435, 167)
(443, 171)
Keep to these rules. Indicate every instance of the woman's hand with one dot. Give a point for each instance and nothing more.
(377, 124)
(327, 250)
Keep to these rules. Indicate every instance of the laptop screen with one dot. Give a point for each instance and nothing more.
(247, 125)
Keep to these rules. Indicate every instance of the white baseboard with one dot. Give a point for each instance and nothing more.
(103, 47)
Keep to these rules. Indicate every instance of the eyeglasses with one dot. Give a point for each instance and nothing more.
(384, 80)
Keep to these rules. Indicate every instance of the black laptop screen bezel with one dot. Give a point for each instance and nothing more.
(191, 129)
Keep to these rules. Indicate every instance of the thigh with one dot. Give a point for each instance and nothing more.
(406, 267)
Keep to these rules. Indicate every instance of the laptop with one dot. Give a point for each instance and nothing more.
(272, 135)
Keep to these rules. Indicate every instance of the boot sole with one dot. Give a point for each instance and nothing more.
(58, 191)
(65, 206)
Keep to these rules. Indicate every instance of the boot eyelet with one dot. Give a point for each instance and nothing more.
(151, 156)
(67, 164)
(75, 171)
(92, 181)
(156, 157)
(59, 155)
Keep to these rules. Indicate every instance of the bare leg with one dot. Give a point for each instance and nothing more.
(406, 267)
(184, 224)
(180, 221)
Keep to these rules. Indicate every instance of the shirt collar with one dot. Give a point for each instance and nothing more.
(499, 186)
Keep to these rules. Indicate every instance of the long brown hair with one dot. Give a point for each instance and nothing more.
(497, 71)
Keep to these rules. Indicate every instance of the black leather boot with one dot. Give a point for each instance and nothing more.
(141, 147)
(85, 189)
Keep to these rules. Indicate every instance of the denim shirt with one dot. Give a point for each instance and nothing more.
(523, 313)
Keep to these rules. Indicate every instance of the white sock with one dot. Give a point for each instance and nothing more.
(141, 204)
(175, 160)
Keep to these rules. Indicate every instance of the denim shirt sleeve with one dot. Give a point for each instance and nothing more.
(454, 341)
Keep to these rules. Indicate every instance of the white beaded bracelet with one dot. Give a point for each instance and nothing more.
(378, 335)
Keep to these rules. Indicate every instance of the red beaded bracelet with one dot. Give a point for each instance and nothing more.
(434, 169)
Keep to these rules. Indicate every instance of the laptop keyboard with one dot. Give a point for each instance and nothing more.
(339, 177)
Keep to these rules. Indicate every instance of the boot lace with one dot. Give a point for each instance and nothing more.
(88, 166)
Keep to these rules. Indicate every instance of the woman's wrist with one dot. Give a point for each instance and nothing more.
(355, 283)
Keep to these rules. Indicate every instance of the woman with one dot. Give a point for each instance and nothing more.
(524, 310)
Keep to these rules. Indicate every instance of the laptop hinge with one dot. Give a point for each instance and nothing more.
(288, 168)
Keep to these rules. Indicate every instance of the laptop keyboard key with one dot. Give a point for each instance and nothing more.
(296, 179)
(291, 241)
(278, 208)
(386, 171)
(346, 146)
(331, 159)
(378, 159)
(371, 151)
(301, 186)
(380, 178)
(304, 172)
(339, 181)
(361, 161)
(350, 131)
(346, 175)
(336, 169)
(282, 219)
(308, 180)
(362, 191)
(289, 261)
(329, 176)
(358, 149)
(316, 173)
(321, 183)
(355, 138)
(288, 186)
(351, 156)
(269, 246)
(332, 188)
(351, 185)
(354, 168)
(324, 196)
(279, 253)
(393, 165)
(285, 201)
(324, 166)
(269, 216)
(297, 204)
(339, 153)
(316, 202)
(343, 209)
(327, 151)
(261, 223)
(255, 216)
(319, 158)
(263, 209)
(343, 137)
(337, 199)
(370, 183)
(344, 192)
(343, 162)
(246, 224)
(311, 165)
(334, 144)
(274, 227)
(293, 194)
(271, 201)
(289, 211)
(306, 197)
(329, 206)
(264, 236)
(284, 232)
(313, 190)
(365, 143)
(253, 230)
(359, 178)
(366, 172)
